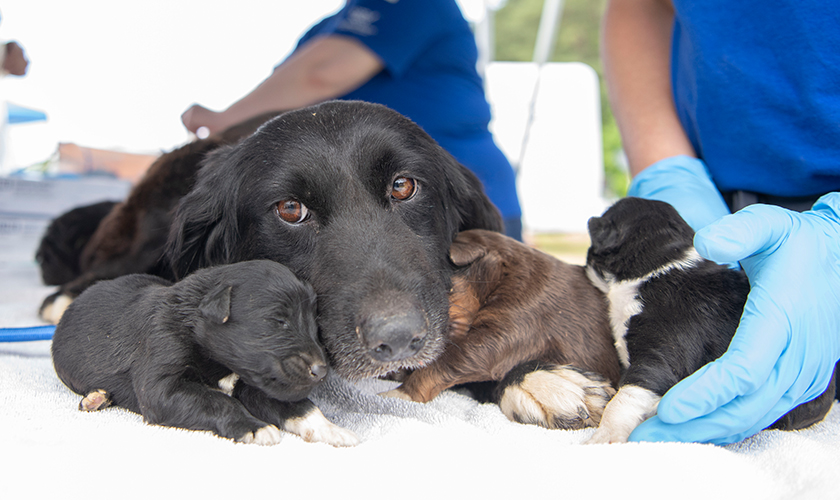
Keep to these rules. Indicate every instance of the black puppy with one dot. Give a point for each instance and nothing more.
(359, 201)
(164, 350)
(671, 311)
(65, 239)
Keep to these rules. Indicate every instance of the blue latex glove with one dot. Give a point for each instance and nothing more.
(686, 184)
(788, 341)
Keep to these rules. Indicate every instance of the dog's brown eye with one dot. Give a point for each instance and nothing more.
(292, 211)
(403, 188)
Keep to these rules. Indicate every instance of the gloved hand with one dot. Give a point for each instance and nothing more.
(686, 184)
(788, 341)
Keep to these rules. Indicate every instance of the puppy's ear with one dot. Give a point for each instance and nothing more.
(463, 252)
(472, 208)
(204, 229)
(603, 235)
(215, 306)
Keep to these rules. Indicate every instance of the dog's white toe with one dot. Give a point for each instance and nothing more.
(95, 400)
(265, 436)
(396, 394)
(631, 406)
(561, 398)
(315, 428)
(52, 312)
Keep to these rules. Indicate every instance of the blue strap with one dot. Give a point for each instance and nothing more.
(26, 334)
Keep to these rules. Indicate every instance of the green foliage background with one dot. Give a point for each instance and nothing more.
(578, 38)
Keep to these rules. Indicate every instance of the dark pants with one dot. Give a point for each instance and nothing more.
(740, 199)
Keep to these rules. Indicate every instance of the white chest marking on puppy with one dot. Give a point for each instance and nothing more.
(623, 297)
(631, 406)
(226, 384)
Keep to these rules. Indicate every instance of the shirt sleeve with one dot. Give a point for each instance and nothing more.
(397, 31)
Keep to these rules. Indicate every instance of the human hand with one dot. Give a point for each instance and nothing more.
(15, 62)
(197, 116)
(686, 184)
(785, 348)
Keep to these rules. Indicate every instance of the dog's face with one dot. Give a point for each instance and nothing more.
(636, 236)
(258, 320)
(359, 201)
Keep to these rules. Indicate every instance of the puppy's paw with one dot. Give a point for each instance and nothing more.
(95, 400)
(397, 393)
(558, 397)
(264, 436)
(315, 428)
(606, 435)
(631, 406)
(53, 307)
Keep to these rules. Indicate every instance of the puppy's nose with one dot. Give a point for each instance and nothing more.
(305, 369)
(318, 371)
(394, 337)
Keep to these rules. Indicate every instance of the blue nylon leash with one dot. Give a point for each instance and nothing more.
(27, 334)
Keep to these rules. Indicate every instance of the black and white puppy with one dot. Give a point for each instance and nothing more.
(671, 311)
(165, 351)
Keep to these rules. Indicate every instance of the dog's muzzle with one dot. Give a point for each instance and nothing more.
(392, 329)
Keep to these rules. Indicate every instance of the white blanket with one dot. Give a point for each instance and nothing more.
(451, 447)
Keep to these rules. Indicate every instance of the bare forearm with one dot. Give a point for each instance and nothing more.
(323, 69)
(636, 48)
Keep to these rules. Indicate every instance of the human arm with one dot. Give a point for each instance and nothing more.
(323, 68)
(786, 346)
(636, 51)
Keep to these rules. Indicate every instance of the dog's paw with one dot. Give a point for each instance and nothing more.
(631, 406)
(53, 308)
(562, 397)
(396, 394)
(315, 428)
(95, 400)
(264, 436)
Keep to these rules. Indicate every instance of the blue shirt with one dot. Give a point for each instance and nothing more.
(430, 76)
(757, 89)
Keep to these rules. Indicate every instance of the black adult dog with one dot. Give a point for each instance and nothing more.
(671, 311)
(359, 201)
(353, 197)
(164, 350)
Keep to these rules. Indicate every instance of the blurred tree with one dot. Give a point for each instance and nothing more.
(578, 38)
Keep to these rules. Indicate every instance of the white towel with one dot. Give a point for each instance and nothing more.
(451, 447)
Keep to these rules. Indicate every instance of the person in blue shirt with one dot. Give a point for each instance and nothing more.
(730, 111)
(416, 57)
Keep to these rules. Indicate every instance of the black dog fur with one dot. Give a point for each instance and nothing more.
(359, 201)
(671, 310)
(161, 350)
(65, 239)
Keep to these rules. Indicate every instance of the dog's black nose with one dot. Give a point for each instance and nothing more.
(394, 337)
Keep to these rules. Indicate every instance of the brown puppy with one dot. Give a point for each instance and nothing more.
(512, 306)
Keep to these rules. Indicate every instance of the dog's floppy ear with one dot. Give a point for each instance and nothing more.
(603, 234)
(463, 252)
(215, 306)
(204, 229)
(472, 208)
(486, 264)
